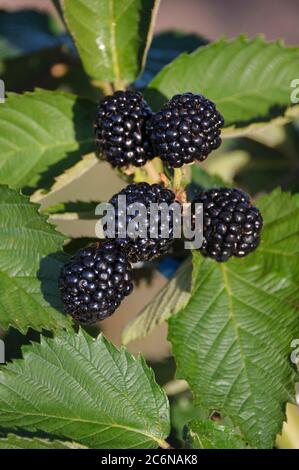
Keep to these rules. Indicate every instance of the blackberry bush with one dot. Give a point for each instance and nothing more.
(186, 129)
(94, 282)
(231, 224)
(120, 129)
(231, 326)
(152, 245)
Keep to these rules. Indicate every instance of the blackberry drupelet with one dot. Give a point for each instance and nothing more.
(187, 128)
(120, 129)
(152, 243)
(95, 281)
(231, 224)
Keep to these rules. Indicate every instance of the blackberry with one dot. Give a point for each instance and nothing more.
(231, 224)
(94, 282)
(157, 238)
(186, 129)
(120, 129)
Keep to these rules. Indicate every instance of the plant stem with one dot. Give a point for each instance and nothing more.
(164, 444)
(177, 179)
(158, 164)
(175, 386)
(181, 179)
(119, 85)
(105, 87)
(138, 175)
(153, 175)
(165, 181)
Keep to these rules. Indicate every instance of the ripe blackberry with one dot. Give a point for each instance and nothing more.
(157, 238)
(120, 129)
(94, 282)
(186, 129)
(231, 225)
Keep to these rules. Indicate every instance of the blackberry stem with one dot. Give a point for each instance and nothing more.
(179, 183)
(153, 175)
(105, 87)
(119, 85)
(181, 178)
(177, 179)
(138, 175)
(165, 181)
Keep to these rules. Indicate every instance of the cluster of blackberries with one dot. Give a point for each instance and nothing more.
(187, 128)
(97, 278)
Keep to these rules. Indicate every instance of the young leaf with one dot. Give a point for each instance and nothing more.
(44, 133)
(206, 434)
(172, 298)
(12, 441)
(249, 80)
(232, 340)
(204, 180)
(112, 36)
(90, 167)
(30, 262)
(87, 163)
(201, 180)
(85, 390)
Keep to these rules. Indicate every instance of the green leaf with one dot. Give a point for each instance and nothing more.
(43, 133)
(165, 47)
(226, 165)
(112, 36)
(250, 130)
(182, 411)
(75, 207)
(232, 340)
(205, 180)
(279, 249)
(71, 175)
(206, 434)
(85, 390)
(12, 441)
(201, 180)
(30, 262)
(172, 298)
(271, 161)
(249, 80)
